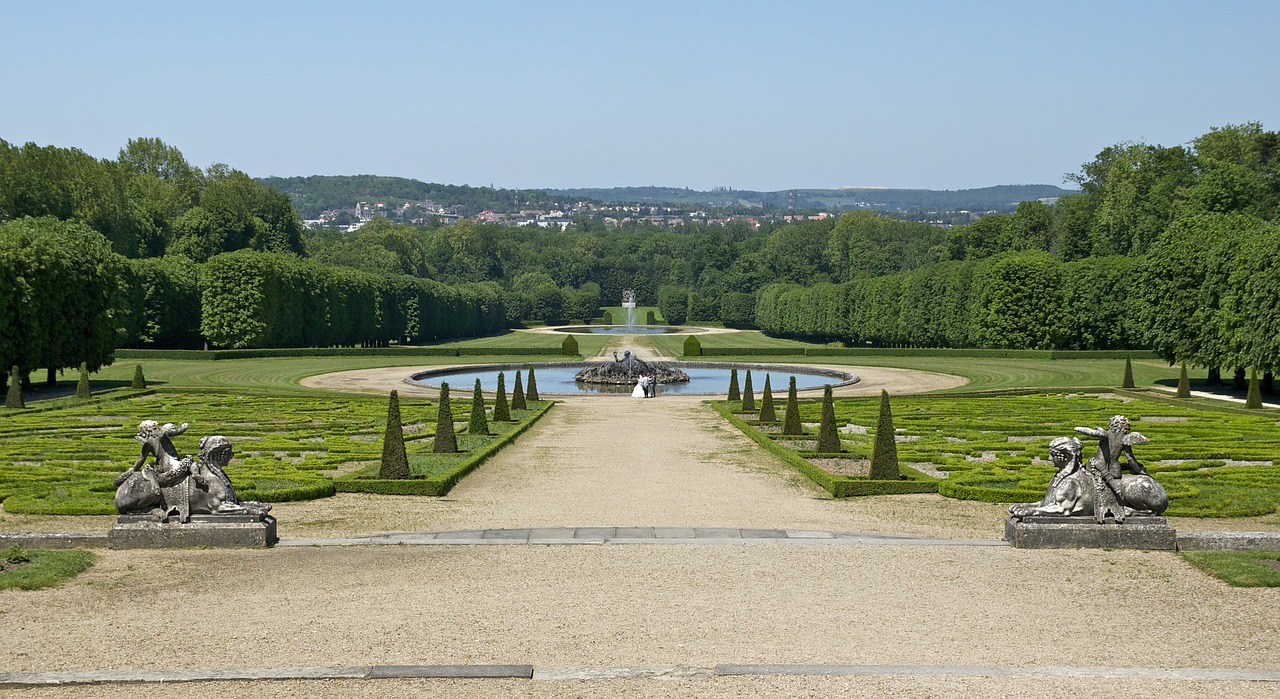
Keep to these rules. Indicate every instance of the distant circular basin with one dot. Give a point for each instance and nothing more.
(705, 378)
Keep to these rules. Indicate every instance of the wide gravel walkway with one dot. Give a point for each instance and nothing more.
(694, 618)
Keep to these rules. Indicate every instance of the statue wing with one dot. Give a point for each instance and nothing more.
(1135, 438)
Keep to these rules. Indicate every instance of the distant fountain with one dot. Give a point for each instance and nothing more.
(625, 370)
(629, 307)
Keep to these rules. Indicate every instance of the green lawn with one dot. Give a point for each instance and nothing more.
(1239, 568)
(21, 569)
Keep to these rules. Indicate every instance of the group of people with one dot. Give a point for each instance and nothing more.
(646, 387)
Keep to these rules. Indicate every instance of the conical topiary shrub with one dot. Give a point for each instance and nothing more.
(501, 411)
(569, 347)
(692, 347)
(82, 386)
(791, 417)
(395, 463)
(139, 381)
(1127, 382)
(734, 393)
(446, 442)
(828, 438)
(767, 412)
(14, 399)
(478, 423)
(517, 396)
(531, 391)
(1184, 383)
(1254, 399)
(748, 395)
(884, 455)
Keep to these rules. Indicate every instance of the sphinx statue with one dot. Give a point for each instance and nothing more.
(173, 488)
(1098, 487)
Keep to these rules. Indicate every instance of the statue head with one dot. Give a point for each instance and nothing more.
(147, 430)
(215, 450)
(1118, 424)
(1064, 451)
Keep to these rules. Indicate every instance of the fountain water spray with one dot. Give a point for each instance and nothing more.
(629, 307)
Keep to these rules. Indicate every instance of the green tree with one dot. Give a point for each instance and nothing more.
(828, 437)
(395, 462)
(478, 423)
(569, 346)
(734, 393)
(446, 441)
(791, 421)
(1127, 380)
(884, 454)
(531, 391)
(692, 347)
(748, 395)
(517, 395)
(501, 410)
(14, 397)
(1254, 398)
(82, 386)
(58, 307)
(767, 411)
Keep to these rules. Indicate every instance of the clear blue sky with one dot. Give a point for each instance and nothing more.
(750, 95)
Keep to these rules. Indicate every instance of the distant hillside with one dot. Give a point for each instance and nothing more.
(998, 198)
(311, 195)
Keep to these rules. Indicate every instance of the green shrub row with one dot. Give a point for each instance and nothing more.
(449, 351)
(439, 484)
(924, 352)
(838, 486)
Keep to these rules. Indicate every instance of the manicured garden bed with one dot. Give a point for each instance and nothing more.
(435, 474)
(1213, 462)
(287, 447)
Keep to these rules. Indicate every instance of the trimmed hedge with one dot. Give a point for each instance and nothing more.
(404, 351)
(924, 352)
(439, 484)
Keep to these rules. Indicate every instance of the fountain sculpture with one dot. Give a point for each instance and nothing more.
(626, 370)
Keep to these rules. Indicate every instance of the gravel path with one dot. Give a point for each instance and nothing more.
(591, 609)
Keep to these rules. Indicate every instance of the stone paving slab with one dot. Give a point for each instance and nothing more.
(641, 535)
(13, 680)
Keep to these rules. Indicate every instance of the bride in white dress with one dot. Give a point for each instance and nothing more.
(640, 390)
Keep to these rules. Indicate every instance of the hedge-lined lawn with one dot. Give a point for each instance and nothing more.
(286, 447)
(588, 344)
(992, 374)
(673, 345)
(996, 449)
(276, 375)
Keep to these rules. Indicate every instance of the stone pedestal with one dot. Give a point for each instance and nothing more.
(1058, 532)
(214, 531)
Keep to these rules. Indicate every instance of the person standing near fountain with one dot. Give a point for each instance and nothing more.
(642, 388)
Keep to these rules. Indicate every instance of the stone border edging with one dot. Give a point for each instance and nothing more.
(29, 680)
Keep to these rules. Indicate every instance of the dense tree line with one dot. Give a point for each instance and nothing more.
(149, 201)
(1164, 247)
(1173, 248)
(317, 193)
(69, 299)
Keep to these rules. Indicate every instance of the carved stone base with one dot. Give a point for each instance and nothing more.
(1057, 532)
(216, 531)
